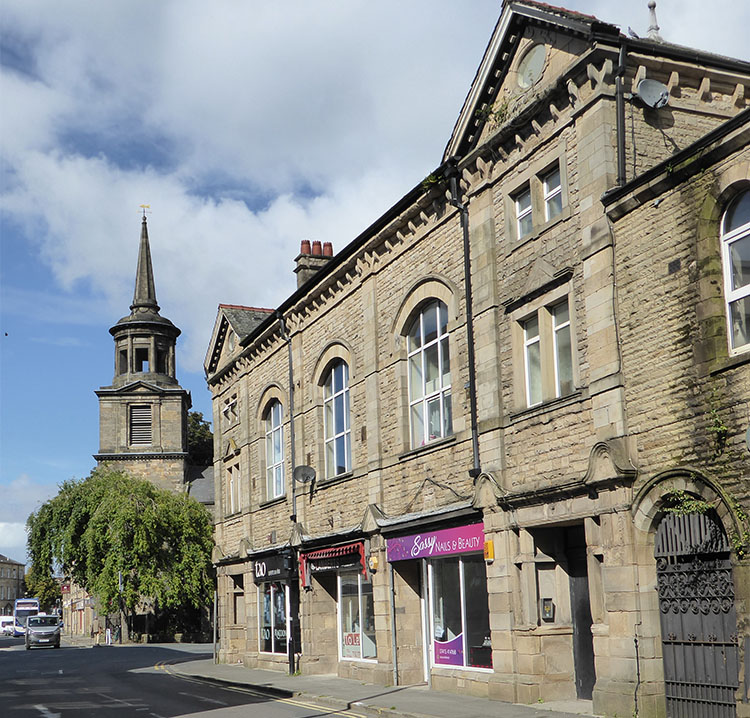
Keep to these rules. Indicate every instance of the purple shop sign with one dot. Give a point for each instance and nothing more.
(450, 653)
(428, 544)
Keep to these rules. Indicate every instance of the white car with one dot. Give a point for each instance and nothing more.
(6, 625)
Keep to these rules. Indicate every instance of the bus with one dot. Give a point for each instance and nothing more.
(22, 609)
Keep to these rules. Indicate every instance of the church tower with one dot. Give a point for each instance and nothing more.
(143, 414)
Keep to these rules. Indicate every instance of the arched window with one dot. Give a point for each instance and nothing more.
(430, 414)
(735, 243)
(274, 450)
(338, 441)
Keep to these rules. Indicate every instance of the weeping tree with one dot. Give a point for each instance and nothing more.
(123, 539)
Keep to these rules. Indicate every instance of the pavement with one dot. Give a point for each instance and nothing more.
(340, 694)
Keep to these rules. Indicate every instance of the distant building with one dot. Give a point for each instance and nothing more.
(497, 443)
(11, 583)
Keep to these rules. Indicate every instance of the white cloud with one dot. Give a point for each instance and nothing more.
(13, 541)
(20, 497)
(318, 115)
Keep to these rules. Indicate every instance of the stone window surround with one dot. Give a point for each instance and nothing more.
(233, 492)
(541, 306)
(532, 179)
(422, 291)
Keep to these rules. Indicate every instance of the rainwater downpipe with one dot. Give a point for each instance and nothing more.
(394, 644)
(451, 173)
(620, 111)
(295, 614)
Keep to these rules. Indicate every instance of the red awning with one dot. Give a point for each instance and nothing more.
(356, 548)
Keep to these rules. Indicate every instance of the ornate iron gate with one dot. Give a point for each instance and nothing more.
(698, 617)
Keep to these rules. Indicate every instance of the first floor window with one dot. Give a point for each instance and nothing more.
(735, 243)
(233, 489)
(238, 599)
(460, 614)
(274, 451)
(274, 610)
(430, 411)
(338, 440)
(356, 617)
(524, 217)
(552, 188)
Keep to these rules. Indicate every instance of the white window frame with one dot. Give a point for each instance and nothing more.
(287, 607)
(140, 426)
(340, 626)
(443, 392)
(275, 482)
(528, 343)
(229, 410)
(330, 436)
(728, 238)
(551, 192)
(523, 212)
(557, 329)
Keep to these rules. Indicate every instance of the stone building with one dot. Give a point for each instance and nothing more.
(143, 414)
(497, 443)
(11, 583)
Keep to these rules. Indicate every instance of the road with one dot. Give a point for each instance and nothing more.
(124, 681)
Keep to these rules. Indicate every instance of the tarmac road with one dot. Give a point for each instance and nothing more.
(124, 681)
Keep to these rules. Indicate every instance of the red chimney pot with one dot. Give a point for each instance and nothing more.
(304, 247)
(327, 249)
(316, 248)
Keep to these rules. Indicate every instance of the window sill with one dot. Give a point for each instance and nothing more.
(233, 515)
(545, 406)
(272, 502)
(358, 660)
(730, 362)
(339, 478)
(427, 448)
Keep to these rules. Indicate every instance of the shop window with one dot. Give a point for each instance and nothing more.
(274, 451)
(735, 243)
(356, 617)
(460, 612)
(140, 425)
(337, 420)
(238, 599)
(273, 617)
(547, 353)
(430, 413)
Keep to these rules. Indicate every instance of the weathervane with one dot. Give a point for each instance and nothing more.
(144, 207)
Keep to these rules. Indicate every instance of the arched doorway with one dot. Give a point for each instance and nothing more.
(698, 617)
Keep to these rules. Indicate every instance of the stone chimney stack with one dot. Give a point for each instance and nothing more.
(312, 257)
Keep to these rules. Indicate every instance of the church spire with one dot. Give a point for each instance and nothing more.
(144, 297)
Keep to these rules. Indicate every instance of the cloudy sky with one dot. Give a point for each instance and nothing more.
(247, 126)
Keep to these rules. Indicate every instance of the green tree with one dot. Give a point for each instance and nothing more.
(45, 588)
(110, 525)
(200, 440)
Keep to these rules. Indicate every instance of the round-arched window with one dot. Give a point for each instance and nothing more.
(735, 247)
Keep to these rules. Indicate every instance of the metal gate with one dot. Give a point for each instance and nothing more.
(698, 617)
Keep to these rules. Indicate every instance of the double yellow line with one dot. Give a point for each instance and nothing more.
(166, 667)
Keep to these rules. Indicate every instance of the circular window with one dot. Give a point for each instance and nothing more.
(531, 65)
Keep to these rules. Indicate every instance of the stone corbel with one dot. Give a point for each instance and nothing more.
(245, 547)
(609, 460)
(371, 520)
(297, 535)
(487, 492)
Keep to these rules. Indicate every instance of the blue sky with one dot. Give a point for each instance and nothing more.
(247, 127)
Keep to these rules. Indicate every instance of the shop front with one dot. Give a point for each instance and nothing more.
(339, 575)
(454, 600)
(275, 578)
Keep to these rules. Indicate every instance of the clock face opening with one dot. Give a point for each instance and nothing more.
(531, 66)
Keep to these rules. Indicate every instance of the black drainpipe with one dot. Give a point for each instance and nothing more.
(620, 110)
(451, 174)
(294, 604)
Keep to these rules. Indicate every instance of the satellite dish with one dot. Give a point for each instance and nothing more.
(653, 93)
(303, 474)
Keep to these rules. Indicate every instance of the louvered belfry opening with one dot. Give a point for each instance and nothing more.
(698, 617)
(140, 425)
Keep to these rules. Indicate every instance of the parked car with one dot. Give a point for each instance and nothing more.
(6, 625)
(43, 630)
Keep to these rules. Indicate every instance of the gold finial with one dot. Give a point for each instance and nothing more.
(144, 207)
